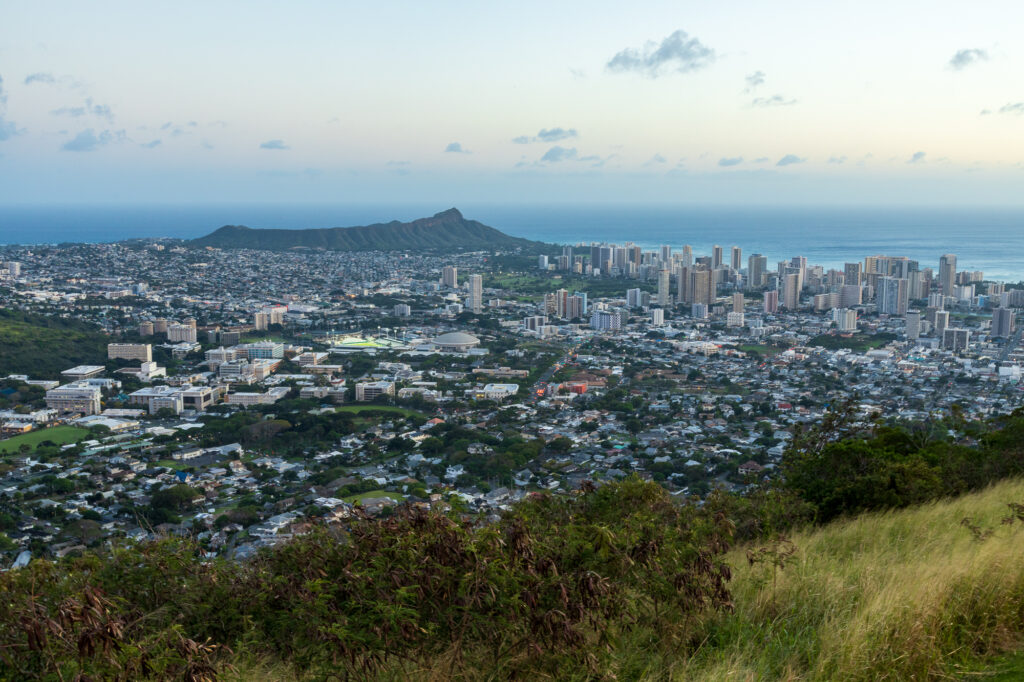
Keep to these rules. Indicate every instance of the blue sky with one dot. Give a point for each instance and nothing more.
(740, 102)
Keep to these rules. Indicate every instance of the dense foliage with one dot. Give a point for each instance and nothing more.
(548, 588)
(44, 345)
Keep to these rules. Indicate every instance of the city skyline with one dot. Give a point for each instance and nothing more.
(672, 103)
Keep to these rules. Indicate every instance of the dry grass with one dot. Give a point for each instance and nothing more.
(895, 596)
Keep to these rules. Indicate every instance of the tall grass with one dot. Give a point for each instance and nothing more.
(904, 595)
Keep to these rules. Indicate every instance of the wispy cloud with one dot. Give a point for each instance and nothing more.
(916, 157)
(41, 77)
(558, 154)
(456, 148)
(269, 144)
(789, 160)
(838, 160)
(655, 160)
(964, 58)
(677, 53)
(548, 136)
(773, 101)
(1013, 108)
(151, 145)
(98, 110)
(754, 80)
(88, 140)
(730, 161)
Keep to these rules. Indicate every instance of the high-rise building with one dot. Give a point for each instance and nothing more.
(830, 301)
(947, 273)
(181, 332)
(851, 274)
(771, 301)
(851, 295)
(941, 322)
(682, 283)
(657, 316)
(666, 254)
(476, 293)
(450, 276)
(734, 319)
(737, 303)
(736, 258)
(956, 339)
(542, 262)
(791, 291)
(633, 298)
(701, 289)
(799, 264)
(757, 268)
(893, 296)
(913, 325)
(687, 258)
(1002, 322)
(143, 352)
(603, 320)
(716, 257)
(664, 295)
(845, 319)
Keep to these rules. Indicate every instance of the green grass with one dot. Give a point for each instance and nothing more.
(58, 434)
(356, 409)
(372, 495)
(760, 349)
(902, 595)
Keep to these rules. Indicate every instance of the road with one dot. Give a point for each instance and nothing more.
(537, 389)
(1011, 344)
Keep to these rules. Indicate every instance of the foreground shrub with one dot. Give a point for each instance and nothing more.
(548, 588)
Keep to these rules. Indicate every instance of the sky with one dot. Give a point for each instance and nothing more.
(790, 102)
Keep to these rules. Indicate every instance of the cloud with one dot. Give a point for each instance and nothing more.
(730, 161)
(763, 159)
(7, 129)
(677, 53)
(916, 157)
(753, 80)
(41, 77)
(269, 144)
(547, 135)
(789, 160)
(69, 111)
(654, 160)
(964, 58)
(456, 148)
(837, 159)
(150, 145)
(1016, 108)
(558, 154)
(773, 101)
(88, 140)
(3, 97)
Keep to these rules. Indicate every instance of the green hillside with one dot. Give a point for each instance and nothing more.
(42, 345)
(445, 231)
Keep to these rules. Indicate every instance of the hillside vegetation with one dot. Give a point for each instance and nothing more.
(447, 230)
(911, 594)
(44, 345)
(916, 574)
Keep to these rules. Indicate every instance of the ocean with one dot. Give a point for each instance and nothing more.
(986, 239)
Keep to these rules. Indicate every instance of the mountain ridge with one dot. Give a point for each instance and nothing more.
(447, 230)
